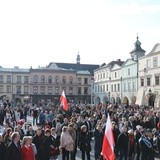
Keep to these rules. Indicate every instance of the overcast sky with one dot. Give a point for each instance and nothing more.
(35, 32)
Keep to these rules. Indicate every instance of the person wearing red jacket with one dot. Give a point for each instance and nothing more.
(27, 149)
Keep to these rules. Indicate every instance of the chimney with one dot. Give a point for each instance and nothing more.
(119, 60)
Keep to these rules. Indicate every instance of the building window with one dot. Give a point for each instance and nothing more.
(156, 80)
(129, 87)
(79, 80)
(133, 86)
(18, 90)
(115, 89)
(56, 90)
(142, 81)
(35, 89)
(148, 63)
(64, 80)
(8, 89)
(50, 90)
(1, 78)
(64, 89)
(18, 79)
(8, 79)
(70, 80)
(103, 88)
(118, 87)
(57, 80)
(85, 90)
(85, 80)
(42, 79)
(115, 75)
(124, 87)
(70, 90)
(107, 87)
(112, 88)
(35, 79)
(155, 61)
(103, 75)
(26, 79)
(148, 81)
(128, 71)
(95, 88)
(42, 89)
(50, 79)
(1, 89)
(26, 89)
(79, 90)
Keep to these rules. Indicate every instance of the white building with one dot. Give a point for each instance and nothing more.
(149, 78)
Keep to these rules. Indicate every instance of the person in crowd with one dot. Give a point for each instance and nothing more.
(42, 118)
(35, 116)
(84, 142)
(30, 131)
(123, 144)
(37, 140)
(56, 143)
(13, 150)
(145, 146)
(131, 148)
(2, 147)
(27, 149)
(72, 132)
(116, 133)
(66, 143)
(7, 136)
(98, 135)
(46, 145)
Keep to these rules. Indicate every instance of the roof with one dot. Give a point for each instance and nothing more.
(19, 70)
(83, 72)
(155, 49)
(137, 47)
(118, 62)
(76, 66)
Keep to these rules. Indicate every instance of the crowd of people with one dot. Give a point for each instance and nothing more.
(57, 134)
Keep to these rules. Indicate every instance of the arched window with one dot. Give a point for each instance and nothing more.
(64, 80)
(70, 79)
(50, 79)
(35, 79)
(57, 79)
(43, 79)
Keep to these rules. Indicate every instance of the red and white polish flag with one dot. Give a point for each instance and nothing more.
(108, 142)
(64, 102)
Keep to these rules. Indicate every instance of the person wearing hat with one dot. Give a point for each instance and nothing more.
(46, 145)
(145, 146)
(84, 142)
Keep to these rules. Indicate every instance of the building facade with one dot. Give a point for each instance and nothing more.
(47, 83)
(149, 78)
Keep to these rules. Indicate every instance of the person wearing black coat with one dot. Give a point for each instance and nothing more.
(37, 140)
(146, 147)
(46, 145)
(2, 148)
(13, 150)
(84, 142)
(123, 144)
(98, 135)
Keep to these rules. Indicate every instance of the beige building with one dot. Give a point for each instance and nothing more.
(149, 78)
(48, 82)
(14, 83)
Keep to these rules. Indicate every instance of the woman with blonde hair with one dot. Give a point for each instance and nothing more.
(27, 149)
(66, 143)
